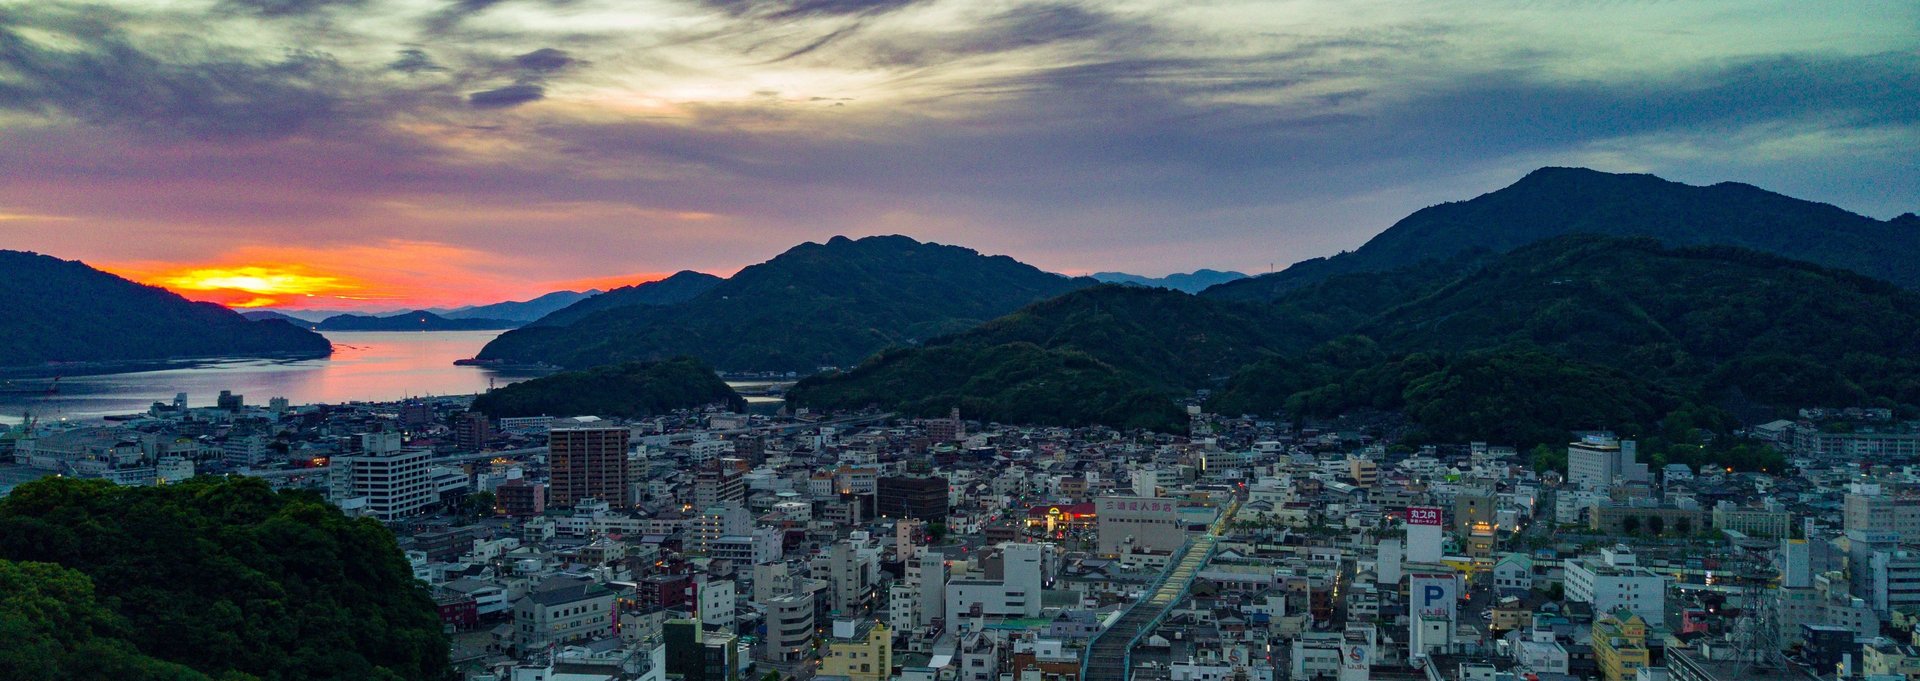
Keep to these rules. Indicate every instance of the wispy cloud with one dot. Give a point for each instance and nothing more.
(572, 137)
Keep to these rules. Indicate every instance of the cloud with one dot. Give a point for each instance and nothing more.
(792, 9)
(280, 8)
(96, 72)
(1140, 136)
(544, 60)
(507, 97)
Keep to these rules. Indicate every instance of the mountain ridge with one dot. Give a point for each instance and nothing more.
(67, 311)
(1556, 201)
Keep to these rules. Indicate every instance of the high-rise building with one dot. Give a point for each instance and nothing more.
(1598, 460)
(719, 483)
(395, 482)
(1870, 509)
(471, 431)
(587, 461)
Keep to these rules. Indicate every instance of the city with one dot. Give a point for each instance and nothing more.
(709, 544)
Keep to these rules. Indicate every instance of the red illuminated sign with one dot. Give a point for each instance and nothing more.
(1423, 515)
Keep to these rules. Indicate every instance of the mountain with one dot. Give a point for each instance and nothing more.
(814, 305)
(1191, 282)
(417, 320)
(627, 390)
(1598, 332)
(680, 287)
(1110, 354)
(521, 311)
(1577, 332)
(1553, 202)
(263, 315)
(61, 310)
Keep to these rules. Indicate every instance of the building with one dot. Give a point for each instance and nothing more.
(904, 497)
(1139, 523)
(1870, 509)
(1598, 460)
(1024, 573)
(1620, 645)
(1752, 522)
(861, 650)
(395, 483)
(1615, 518)
(1615, 580)
(587, 461)
(719, 483)
(789, 629)
(950, 429)
(1870, 443)
(563, 609)
(471, 431)
(698, 655)
(519, 498)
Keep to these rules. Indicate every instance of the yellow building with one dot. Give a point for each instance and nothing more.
(860, 650)
(1620, 645)
(1890, 659)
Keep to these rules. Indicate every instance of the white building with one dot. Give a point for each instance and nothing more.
(1597, 461)
(1616, 580)
(395, 483)
(1016, 594)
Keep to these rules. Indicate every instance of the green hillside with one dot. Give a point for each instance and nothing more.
(815, 305)
(627, 390)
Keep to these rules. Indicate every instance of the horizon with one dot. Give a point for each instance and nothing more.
(403, 154)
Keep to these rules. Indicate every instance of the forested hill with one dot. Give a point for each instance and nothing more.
(1572, 333)
(628, 390)
(680, 287)
(212, 578)
(1552, 202)
(62, 310)
(814, 305)
(1591, 332)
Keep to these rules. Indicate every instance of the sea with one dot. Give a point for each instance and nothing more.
(366, 366)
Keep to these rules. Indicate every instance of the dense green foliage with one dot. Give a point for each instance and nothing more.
(53, 627)
(680, 287)
(1552, 202)
(1014, 382)
(1590, 332)
(223, 576)
(60, 310)
(417, 320)
(815, 305)
(620, 390)
(1575, 333)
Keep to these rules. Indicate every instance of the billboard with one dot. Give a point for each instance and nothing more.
(1423, 515)
(1433, 594)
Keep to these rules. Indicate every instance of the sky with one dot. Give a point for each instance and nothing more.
(371, 154)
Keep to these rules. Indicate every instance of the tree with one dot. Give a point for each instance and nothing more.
(1630, 524)
(1656, 525)
(480, 504)
(1683, 526)
(229, 578)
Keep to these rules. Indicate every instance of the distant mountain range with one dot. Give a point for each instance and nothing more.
(417, 320)
(64, 311)
(519, 311)
(1191, 282)
(815, 305)
(1552, 202)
